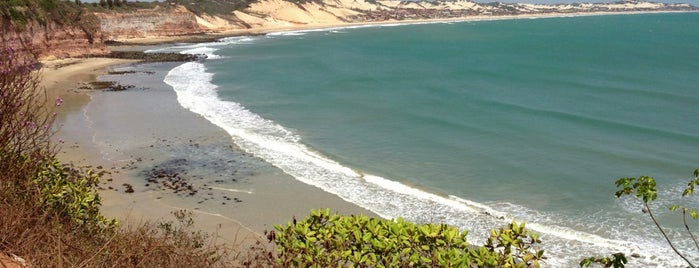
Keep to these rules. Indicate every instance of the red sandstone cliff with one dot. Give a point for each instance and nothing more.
(87, 35)
(54, 40)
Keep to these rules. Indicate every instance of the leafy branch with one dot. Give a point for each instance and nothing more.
(644, 188)
(617, 260)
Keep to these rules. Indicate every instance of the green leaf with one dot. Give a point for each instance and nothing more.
(536, 264)
(587, 262)
(539, 254)
(688, 191)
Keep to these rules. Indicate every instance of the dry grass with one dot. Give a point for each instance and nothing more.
(46, 241)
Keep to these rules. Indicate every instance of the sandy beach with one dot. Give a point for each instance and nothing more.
(140, 137)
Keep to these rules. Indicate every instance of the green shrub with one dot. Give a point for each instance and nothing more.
(72, 195)
(325, 240)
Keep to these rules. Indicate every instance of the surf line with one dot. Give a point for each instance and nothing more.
(232, 190)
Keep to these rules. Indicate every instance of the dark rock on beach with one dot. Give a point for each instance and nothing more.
(129, 188)
(109, 86)
(171, 176)
(155, 57)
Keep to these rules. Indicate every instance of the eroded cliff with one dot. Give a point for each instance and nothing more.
(156, 22)
(50, 29)
(52, 40)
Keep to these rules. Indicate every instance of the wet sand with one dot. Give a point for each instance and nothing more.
(142, 139)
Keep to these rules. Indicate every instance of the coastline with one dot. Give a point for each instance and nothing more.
(278, 202)
(127, 136)
(213, 36)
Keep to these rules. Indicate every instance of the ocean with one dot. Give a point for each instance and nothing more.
(474, 123)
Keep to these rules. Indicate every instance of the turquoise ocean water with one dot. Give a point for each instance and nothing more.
(473, 123)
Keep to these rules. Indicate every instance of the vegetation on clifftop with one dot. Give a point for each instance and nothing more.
(21, 12)
(20, 16)
(213, 7)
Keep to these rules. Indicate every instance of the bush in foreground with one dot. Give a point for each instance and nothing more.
(331, 240)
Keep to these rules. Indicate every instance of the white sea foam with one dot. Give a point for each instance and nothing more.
(339, 30)
(331, 29)
(232, 190)
(389, 199)
(207, 49)
(236, 40)
(289, 33)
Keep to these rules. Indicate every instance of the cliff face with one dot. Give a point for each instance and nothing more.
(54, 40)
(170, 21)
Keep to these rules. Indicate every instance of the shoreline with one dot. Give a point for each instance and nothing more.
(130, 148)
(214, 36)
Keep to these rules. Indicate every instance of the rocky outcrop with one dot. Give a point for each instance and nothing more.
(142, 23)
(154, 57)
